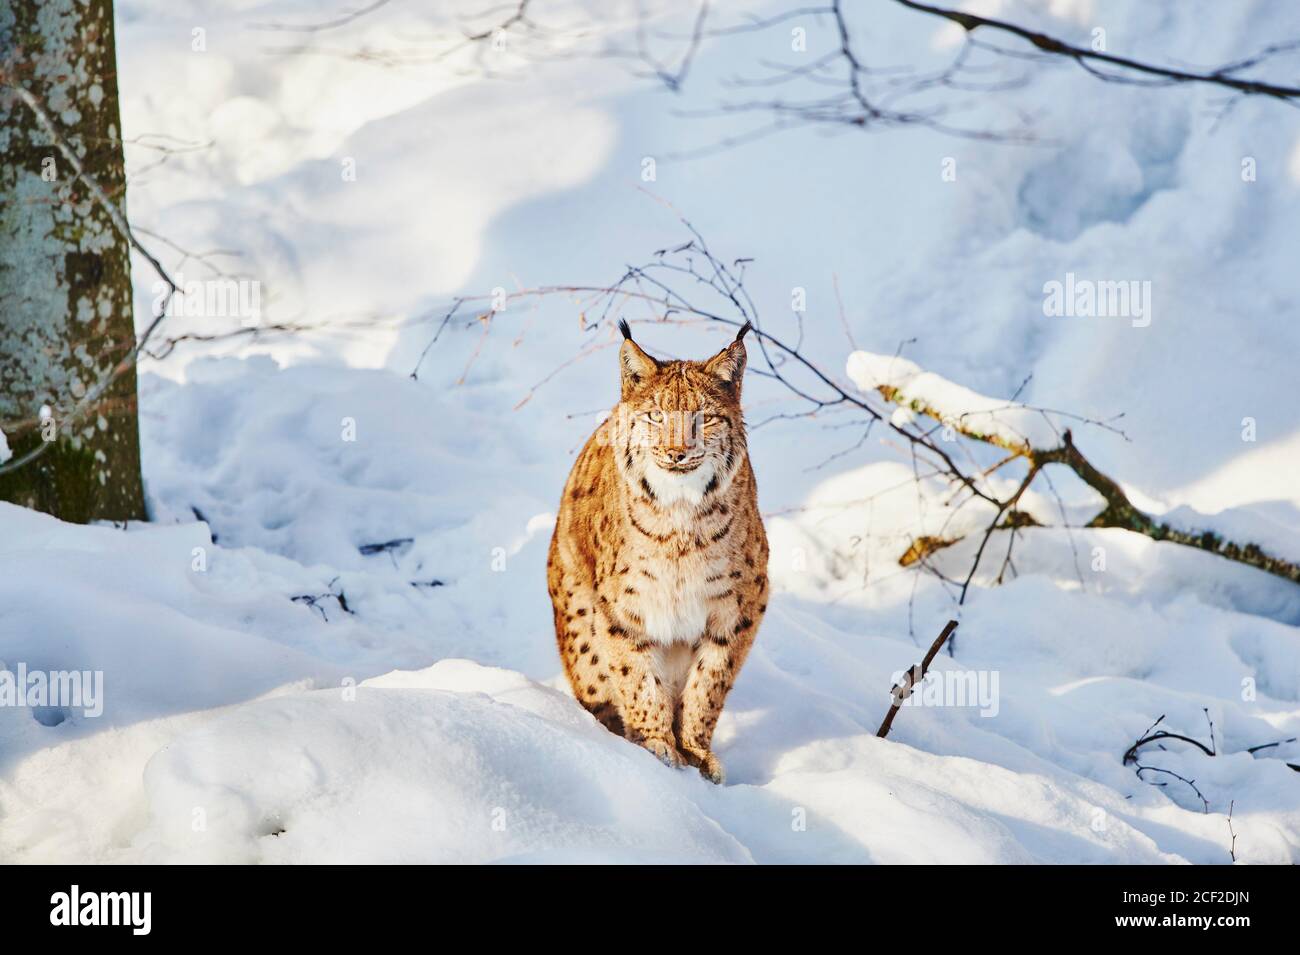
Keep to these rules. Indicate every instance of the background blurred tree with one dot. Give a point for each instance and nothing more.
(67, 336)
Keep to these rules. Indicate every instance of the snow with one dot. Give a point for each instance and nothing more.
(1008, 423)
(408, 705)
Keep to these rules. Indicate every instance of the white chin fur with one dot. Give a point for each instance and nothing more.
(671, 486)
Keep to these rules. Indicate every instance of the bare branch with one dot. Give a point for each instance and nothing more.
(339, 21)
(1224, 76)
(902, 691)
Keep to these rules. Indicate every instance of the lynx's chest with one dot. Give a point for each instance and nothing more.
(681, 559)
(675, 606)
(675, 582)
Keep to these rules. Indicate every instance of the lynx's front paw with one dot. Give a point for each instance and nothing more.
(710, 766)
(711, 769)
(664, 750)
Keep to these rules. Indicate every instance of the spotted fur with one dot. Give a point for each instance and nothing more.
(658, 567)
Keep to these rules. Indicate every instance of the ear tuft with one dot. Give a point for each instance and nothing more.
(728, 365)
(744, 330)
(634, 364)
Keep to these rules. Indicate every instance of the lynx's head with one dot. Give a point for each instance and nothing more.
(680, 435)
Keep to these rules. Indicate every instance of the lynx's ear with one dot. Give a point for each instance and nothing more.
(728, 365)
(634, 365)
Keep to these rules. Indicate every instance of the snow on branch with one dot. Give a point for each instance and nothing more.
(1009, 426)
(1030, 434)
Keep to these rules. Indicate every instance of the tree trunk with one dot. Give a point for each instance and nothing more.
(65, 279)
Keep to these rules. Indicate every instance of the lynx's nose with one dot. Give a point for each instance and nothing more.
(677, 457)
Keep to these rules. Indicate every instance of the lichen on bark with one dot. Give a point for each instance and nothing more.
(65, 290)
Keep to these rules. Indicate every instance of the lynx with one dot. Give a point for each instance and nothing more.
(658, 567)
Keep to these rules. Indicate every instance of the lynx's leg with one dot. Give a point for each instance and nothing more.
(645, 704)
(714, 669)
(576, 634)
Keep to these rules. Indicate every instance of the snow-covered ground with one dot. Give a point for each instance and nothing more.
(275, 690)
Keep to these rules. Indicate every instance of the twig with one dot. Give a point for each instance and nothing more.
(339, 21)
(1232, 849)
(1255, 749)
(1130, 755)
(313, 600)
(970, 22)
(397, 543)
(902, 691)
(1191, 783)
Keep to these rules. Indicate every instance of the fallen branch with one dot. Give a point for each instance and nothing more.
(200, 516)
(1020, 431)
(314, 600)
(397, 543)
(901, 691)
(1131, 755)
(1191, 783)
(1262, 746)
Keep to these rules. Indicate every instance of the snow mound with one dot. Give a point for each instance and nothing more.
(424, 766)
(232, 731)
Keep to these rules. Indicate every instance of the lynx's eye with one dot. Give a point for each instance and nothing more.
(712, 418)
(656, 417)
